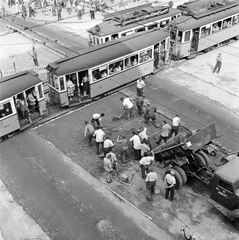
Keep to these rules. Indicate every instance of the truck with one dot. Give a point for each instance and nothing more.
(193, 154)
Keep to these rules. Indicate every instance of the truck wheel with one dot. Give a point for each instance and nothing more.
(237, 223)
(179, 180)
(200, 158)
(182, 173)
(205, 156)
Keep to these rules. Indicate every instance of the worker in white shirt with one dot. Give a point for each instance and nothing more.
(108, 145)
(144, 147)
(151, 180)
(145, 163)
(170, 182)
(175, 126)
(96, 119)
(99, 139)
(140, 87)
(164, 133)
(128, 106)
(136, 145)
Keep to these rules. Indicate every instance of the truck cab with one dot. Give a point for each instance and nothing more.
(225, 189)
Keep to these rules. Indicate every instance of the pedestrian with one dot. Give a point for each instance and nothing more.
(136, 145)
(145, 163)
(151, 180)
(34, 56)
(150, 114)
(218, 63)
(31, 11)
(170, 182)
(96, 119)
(175, 126)
(92, 12)
(128, 106)
(156, 57)
(143, 135)
(24, 11)
(99, 139)
(164, 133)
(86, 85)
(1, 73)
(70, 88)
(140, 104)
(59, 10)
(124, 149)
(108, 168)
(79, 12)
(89, 132)
(113, 160)
(69, 7)
(108, 145)
(140, 87)
(144, 147)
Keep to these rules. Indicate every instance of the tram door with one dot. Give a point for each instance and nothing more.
(83, 82)
(194, 41)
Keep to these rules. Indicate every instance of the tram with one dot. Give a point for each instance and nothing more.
(22, 102)
(132, 22)
(204, 29)
(103, 68)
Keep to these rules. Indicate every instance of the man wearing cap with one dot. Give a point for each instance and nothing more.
(170, 182)
(151, 180)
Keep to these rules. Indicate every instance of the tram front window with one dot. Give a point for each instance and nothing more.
(173, 34)
(5, 109)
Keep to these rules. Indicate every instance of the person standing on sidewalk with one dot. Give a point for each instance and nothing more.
(175, 126)
(59, 9)
(34, 56)
(92, 12)
(151, 180)
(170, 182)
(79, 12)
(24, 11)
(218, 63)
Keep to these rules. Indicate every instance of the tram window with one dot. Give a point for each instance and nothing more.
(62, 85)
(115, 36)
(187, 36)
(145, 55)
(163, 45)
(205, 30)
(96, 75)
(55, 83)
(126, 33)
(39, 87)
(226, 23)
(97, 41)
(179, 37)
(142, 29)
(128, 63)
(216, 26)
(5, 109)
(152, 26)
(173, 34)
(235, 19)
(107, 39)
(164, 23)
(116, 67)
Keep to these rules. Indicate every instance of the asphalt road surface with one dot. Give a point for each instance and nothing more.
(65, 201)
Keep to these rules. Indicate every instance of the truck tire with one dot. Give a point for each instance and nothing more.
(205, 156)
(179, 180)
(200, 158)
(237, 223)
(182, 173)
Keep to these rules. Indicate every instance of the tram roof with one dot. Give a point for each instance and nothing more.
(112, 26)
(16, 83)
(106, 52)
(185, 23)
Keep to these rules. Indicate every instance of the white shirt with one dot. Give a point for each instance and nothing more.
(165, 130)
(108, 143)
(144, 148)
(99, 135)
(140, 84)
(136, 142)
(96, 116)
(170, 179)
(143, 134)
(146, 160)
(176, 121)
(127, 103)
(151, 177)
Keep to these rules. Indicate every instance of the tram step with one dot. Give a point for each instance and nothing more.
(191, 56)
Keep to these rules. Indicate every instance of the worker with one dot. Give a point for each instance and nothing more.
(170, 182)
(96, 119)
(151, 180)
(128, 106)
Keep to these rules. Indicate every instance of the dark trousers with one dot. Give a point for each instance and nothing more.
(169, 193)
(137, 153)
(90, 137)
(99, 145)
(95, 122)
(150, 186)
(175, 130)
(140, 91)
(144, 170)
(124, 153)
(35, 61)
(162, 138)
(107, 150)
(217, 67)
(140, 107)
(129, 112)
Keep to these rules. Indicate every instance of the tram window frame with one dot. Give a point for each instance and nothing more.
(124, 34)
(40, 91)
(152, 26)
(235, 19)
(130, 58)
(173, 34)
(54, 82)
(114, 36)
(107, 39)
(227, 20)
(118, 62)
(219, 24)
(187, 36)
(140, 29)
(144, 53)
(179, 36)
(163, 45)
(62, 83)
(164, 23)
(3, 109)
(96, 70)
(206, 29)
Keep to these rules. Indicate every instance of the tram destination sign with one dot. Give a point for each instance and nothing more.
(141, 15)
